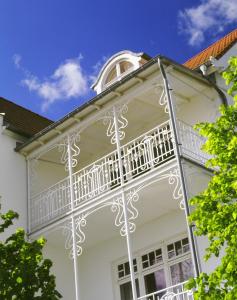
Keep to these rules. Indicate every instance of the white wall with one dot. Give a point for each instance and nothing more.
(63, 269)
(48, 173)
(96, 263)
(197, 180)
(13, 183)
(199, 109)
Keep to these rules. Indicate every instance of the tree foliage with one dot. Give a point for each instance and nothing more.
(215, 209)
(24, 273)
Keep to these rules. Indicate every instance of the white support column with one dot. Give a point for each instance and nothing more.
(75, 260)
(126, 222)
(28, 196)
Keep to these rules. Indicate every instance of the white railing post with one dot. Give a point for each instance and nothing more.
(127, 230)
(28, 197)
(75, 261)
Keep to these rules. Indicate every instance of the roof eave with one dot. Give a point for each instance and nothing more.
(109, 90)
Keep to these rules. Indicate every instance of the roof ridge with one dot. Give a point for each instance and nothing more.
(2, 98)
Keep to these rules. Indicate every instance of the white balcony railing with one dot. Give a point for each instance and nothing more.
(192, 143)
(50, 204)
(139, 156)
(175, 292)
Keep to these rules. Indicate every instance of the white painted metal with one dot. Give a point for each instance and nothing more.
(50, 204)
(139, 156)
(192, 143)
(175, 292)
(97, 178)
(69, 165)
(118, 137)
(147, 151)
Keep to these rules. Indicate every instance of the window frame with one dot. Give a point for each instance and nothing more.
(119, 75)
(142, 272)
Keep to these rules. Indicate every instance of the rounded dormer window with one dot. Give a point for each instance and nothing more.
(118, 71)
(111, 76)
(118, 66)
(125, 66)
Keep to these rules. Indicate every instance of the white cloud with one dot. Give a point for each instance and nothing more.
(67, 81)
(17, 60)
(209, 18)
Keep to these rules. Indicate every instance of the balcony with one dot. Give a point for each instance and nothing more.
(139, 157)
(175, 292)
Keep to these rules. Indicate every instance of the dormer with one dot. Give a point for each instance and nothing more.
(118, 66)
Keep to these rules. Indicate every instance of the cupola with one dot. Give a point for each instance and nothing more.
(118, 66)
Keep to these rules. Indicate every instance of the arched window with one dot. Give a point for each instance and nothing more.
(118, 70)
(124, 66)
(117, 67)
(112, 75)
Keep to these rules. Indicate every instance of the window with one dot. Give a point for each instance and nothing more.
(178, 248)
(112, 75)
(156, 269)
(126, 290)
(124, 270)
(152, 258)
(155, 281)
(181, 271)
(125, 66)
(119, 70)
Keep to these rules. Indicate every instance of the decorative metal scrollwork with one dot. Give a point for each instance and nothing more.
(117, 207)
(182, 205)
(168, 296)
(132, 197)
(71, 141)
(174, 179)
(163, 97)
(132, 213)
(110, 122)
(80, 222)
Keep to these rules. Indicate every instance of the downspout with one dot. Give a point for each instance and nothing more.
(204, 68)
(180, 167)
(219, 91)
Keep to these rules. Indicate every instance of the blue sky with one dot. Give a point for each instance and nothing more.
(51, 50)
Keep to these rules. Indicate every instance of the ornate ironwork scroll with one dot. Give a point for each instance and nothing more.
(73, 141)
(108, 120)
(163, 98)
(174, 179)
(80, 222)
(117, 207)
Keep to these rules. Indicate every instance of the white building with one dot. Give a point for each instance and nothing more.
(109, 183)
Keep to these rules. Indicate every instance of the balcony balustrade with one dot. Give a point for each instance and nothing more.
(139, 156)
(175, 292)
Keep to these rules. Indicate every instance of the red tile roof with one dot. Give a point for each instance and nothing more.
(22, 120)
(217, 50)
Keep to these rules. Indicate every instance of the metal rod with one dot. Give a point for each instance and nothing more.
(75, 263)
(180, 167)
(128, 238)
(28, 197)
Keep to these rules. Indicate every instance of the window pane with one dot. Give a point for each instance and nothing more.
(155, 281)
(124, 66)
(126, 290)
(112, 75)
(178, 248)
(181, 271)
